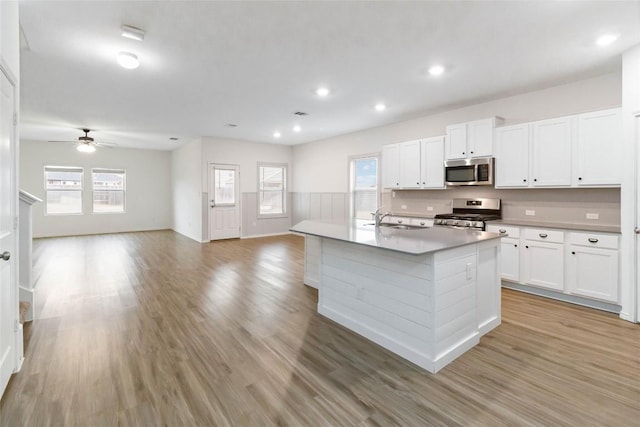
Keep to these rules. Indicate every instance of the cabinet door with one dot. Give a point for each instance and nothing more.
(551, 152)
(480, 138)
(593, 272)
(410, 164)
(432, 152)
(543, 264)
(456, 143)
(391, 166)
(599, 148)
(512, 156)
(510, 259)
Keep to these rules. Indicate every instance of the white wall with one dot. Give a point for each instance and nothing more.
(186, 189)
(148, 200)
(312, 160)
(247, 155)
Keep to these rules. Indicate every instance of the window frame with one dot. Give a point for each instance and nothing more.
(352, 182)
(124, 190)
(76, 169)
(285, 211)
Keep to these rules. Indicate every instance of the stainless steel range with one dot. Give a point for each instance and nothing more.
(470, 213)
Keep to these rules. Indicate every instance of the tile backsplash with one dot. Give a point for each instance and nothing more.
(563, 205)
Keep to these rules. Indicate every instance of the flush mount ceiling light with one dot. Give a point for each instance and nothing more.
(276, 134)
(607, 39)
(85, 148)
(380, 107)
(436, 70)
(297, 128)
(132, 32)
(322, 92)
(128, 60)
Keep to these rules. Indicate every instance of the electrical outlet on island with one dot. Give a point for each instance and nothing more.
(593, 216)
(530, 212)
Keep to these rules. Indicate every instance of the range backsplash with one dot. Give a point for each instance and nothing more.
(570, 205)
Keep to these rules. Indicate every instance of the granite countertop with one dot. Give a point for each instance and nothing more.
(416, 241)
(561, 225)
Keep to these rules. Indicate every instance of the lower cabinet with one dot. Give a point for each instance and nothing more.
(593, 268)
(576, 263)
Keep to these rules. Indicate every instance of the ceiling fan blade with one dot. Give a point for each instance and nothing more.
(64, 141)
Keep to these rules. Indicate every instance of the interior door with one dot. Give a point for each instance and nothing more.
(224, 202)
(8, 278)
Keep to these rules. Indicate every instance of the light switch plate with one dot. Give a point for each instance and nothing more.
(530, 213)
(429, 208)
(593, 216)
(403, 206)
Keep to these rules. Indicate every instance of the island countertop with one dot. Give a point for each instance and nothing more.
(413, 241)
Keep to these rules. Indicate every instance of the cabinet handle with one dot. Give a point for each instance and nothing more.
(579, 178)
(515, 245)
(502, 231)
(471, 152)
(543, 235)
(535, 179)
(422, 223)
(399, 221)
(573, 252)
(417, 183)
(423, 183)
(527, 247)
(524, 180)
(463, 152)
(592, 240)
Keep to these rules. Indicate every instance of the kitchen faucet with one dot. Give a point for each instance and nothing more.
(378, 216)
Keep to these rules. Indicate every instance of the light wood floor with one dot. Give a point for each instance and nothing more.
(154, 329)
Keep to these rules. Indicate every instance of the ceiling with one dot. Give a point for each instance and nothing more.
(205, 65)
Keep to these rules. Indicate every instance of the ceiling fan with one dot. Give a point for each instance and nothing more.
(87, 144)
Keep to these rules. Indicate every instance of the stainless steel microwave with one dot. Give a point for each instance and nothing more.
(478, 171)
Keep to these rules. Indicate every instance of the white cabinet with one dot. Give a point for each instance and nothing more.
(414, 164)
(410, 168)
(509, 251)
(391, 166)
(551, 152)
(543, 258)
(598, 149)
(592, 266)
(432, 162)
(471, 139)
(512, 156)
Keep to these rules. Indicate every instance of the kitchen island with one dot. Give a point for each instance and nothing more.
(427, 294)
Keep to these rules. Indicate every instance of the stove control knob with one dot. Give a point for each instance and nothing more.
(467, 223)
(455, 222)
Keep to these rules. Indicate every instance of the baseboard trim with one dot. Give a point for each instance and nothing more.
(255, 236)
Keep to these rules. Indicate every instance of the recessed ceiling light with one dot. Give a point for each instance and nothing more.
(128, 60)
(607, 39)
(276, 134)
(436, 70)
(297, 128)
(322, 91)
(380, 107)
(132, 32)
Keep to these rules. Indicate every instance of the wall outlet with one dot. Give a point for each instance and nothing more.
(530, 213)
(403, 206)
(593, 216)
(393, 194)
(429, 208)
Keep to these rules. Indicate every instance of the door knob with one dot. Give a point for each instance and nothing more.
(5, 255)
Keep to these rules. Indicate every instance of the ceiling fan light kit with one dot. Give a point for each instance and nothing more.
(85, 147)
(133, 33)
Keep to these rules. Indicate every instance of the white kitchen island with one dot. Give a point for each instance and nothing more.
(427, 295)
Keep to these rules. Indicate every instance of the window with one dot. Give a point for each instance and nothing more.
(108, 190)
(63, 187)
(272, 189)
(225, 187)
(364, 186)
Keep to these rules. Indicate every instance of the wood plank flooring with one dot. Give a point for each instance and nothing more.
(151, 329)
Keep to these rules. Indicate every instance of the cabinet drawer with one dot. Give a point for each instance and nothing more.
(543, 235)
(594, 240)
(505, 230)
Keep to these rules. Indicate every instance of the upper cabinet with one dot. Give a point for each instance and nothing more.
(471, 139)
(551, 152)
(417, 164)
(574, 151)
(599, 148)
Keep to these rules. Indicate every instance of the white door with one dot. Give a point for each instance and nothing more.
(456, 142)
(599, 148)
(480, 138)
(432, 152)
(224, 202)
(391, 166)
(410, 164)
(512, 156)
(551, 153)
(8, 279)
(543, 264)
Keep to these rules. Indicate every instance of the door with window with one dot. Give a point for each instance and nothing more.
(224, 202)
(8, 267)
